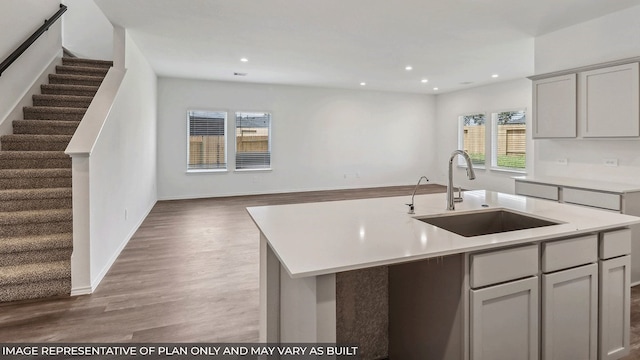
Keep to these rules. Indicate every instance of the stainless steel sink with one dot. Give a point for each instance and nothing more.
(485, 222)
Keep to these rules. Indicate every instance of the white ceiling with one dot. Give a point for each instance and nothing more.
(340, 43)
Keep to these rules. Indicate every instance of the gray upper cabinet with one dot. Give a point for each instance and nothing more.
(596, 101)
(554, 107)
(609, 102)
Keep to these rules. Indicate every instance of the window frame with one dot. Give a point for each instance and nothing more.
(269, 141)
(460, 161)
(494, 141)
(225, 137)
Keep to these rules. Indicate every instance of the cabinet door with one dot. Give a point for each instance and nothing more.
(609, 101)
(570, 313)
(504, 321)
(554, 107)
(615, 299)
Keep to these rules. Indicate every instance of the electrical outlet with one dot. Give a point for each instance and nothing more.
(610, 162)
(562, 161)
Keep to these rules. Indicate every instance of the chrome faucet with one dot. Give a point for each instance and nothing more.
(470, 174)
(411, 207)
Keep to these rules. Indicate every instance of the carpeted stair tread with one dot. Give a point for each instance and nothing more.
(35, 216)
(73, 101)
(45, 127)
(86, 62)
(35, 194)
(36, 243)
(34, 173)
(53, 113)
(20, 274)
(82, 70)
(28, 142)
(75, 79)
(66, 89)
(34, 159)
(35, 290)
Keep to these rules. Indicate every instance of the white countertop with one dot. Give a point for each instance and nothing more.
(581, 183)
(322, 238)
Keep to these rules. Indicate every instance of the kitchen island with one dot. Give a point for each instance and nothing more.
(442, 287)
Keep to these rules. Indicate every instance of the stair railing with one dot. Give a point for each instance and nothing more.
(25, 45)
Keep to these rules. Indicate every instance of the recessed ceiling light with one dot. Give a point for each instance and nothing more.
(239, 74)
(436, 89)
(363, 83)
(424, 81)
(494, 76)
(244, 59)
(408, 67)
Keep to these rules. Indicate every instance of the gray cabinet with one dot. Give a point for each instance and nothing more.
(554, 107)
(596, 101)
(504, 321)
(609, 99)
(569, 314)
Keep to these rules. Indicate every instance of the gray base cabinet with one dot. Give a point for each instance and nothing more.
(569, 314)
(504, 321)
(615, 297)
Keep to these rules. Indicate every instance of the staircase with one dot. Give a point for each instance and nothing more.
(35, 184)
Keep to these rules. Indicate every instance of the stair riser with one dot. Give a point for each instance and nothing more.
(31, 257)
(34, 146)
(67, 91)
(53, 227)
(87, 62)
(33, 114)
(81, 70)
(34, 183)
(80, 103)
(35, 163)
(36, 290)
(44, 129)
(36, 204)
(74, 81)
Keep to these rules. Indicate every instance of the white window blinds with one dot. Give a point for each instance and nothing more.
(207, 142)
(253, 140)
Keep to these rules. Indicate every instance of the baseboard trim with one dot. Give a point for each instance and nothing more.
(84, 290)
(98, 279)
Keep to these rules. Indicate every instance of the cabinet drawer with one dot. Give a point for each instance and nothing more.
(537, 190)
(503, 265)
(564, 254)
(615, 243)
(591, 198)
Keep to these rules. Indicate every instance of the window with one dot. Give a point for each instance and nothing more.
(207, 143)
(253, 140)
(500, 143)
(473, 137)
(509, 140)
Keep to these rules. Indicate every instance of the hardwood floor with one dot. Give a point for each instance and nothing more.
(189, 274)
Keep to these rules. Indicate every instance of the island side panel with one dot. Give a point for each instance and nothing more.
(307, 308)
(269, 330)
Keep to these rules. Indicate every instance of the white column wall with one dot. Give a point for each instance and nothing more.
(123, 165)
(321, 138)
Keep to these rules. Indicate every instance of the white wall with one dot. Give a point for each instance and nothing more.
(508, 95)
(322, 138)
(86, 31)
(123, 164)
(19, 19)
(612, 37)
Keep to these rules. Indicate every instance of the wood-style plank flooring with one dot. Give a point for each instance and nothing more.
(189, 274)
